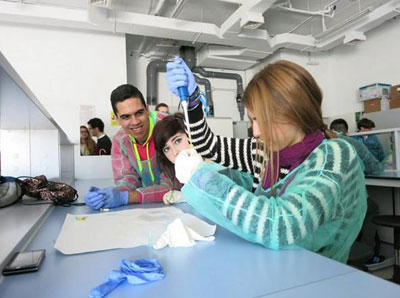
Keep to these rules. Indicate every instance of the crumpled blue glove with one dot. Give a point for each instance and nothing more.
(135, 272)
(108, 197)
(180, 75)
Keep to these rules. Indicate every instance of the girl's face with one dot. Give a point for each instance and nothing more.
(174, 145)
(84, 133)
(283, 134)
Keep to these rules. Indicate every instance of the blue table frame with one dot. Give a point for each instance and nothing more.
(227, 267)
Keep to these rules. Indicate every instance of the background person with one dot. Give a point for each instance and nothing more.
(340, 125)
(369, 232)
(88, 145)
(371, 141)
(309, 186)
(163, 108)
(96, 128)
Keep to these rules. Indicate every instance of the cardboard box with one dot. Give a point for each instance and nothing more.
(395, 92)
(376, 90)
(372, 105)
(394, 103)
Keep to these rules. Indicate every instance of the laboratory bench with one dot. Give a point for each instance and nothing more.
(227, 267)
(386, 179)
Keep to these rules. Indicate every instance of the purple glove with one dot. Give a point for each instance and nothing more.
(179, 75)
(113, 197)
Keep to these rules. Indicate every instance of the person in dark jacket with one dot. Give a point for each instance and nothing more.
(96, 128)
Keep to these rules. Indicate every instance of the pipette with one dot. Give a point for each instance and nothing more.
(183, 94)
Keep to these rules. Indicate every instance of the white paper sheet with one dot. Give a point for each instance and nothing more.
(122, 229)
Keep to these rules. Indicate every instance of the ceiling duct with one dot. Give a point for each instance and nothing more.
(153, 68)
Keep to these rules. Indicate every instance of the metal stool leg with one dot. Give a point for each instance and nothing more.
(396, 269)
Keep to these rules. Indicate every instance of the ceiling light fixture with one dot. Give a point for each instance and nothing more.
(251, 21)
(354, 37)
(101, 3)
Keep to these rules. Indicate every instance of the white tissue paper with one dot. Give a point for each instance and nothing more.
(173, 197)
(178, 235)
(186, 163)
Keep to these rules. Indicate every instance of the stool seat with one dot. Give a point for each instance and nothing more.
(391, 221)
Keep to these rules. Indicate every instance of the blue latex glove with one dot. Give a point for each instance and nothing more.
(113, 197)
(179, 75)
(135, 272)
(94, 199)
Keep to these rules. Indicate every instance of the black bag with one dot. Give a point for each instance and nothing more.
(10, 191)
(39, 187)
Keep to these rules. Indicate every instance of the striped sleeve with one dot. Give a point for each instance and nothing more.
(313, 198)
(234, 153)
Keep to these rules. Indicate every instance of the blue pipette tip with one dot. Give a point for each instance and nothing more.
(183, 93)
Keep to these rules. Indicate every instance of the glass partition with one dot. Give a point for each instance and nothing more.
(384, 145)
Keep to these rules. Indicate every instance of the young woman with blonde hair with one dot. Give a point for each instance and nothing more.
(88, 145)
(306, 187)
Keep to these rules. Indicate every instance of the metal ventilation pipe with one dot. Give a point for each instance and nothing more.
(207, 85)
(189, 55)
(153, 68)
(228, 76)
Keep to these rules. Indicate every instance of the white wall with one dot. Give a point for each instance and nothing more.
(374, 60)
(341, 71)
(66, 68)
(29, 142)
(92, 167)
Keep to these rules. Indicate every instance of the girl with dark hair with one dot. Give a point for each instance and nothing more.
(170, 139)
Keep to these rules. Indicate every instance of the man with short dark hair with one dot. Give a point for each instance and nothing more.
(340, 125)
(162, 107)
(137, 175)
(96, 128)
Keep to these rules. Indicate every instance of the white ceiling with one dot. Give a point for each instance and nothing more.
(157, 28)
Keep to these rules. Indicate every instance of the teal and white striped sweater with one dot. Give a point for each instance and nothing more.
(319, 206)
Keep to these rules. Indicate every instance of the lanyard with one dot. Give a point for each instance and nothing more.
(139, 161)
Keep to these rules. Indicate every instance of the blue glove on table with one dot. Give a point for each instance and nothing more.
(108, 197)
(135, 272)
(179, 75)
(93, 199)
(113, 197)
